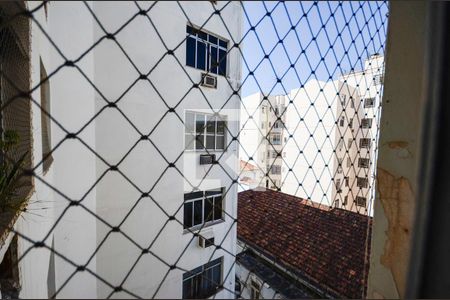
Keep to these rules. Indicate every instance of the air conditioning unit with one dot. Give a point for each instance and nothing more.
(207, 159)
(204, 242)
(209, 80)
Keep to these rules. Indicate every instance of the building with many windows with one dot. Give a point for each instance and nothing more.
(323, 146)
(263, 136)
(139, 212)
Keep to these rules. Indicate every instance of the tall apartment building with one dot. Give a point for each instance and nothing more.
(263, 136)
(328, 145)
(359, 112)
(125, 192)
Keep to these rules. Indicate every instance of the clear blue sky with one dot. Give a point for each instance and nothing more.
(318, 26)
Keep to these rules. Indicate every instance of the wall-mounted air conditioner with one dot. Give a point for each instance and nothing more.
(209, 80)
(206, 239)
(205, 242)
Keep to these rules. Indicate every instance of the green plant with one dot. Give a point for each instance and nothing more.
(10, 172)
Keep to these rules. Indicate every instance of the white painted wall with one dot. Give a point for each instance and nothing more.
(76, 169)
(143, 166)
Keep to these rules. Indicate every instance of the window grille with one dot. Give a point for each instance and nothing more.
(294, 46)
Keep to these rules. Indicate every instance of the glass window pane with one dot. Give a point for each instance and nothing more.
(190, 51)
(214, 59)
(208, 209)
(200, 141)
(189, 141)
(222, 62)
(200, 123)
(221, 127)
(212, 39)
(201, 55)
(216, 274)
(208, 285)
(198, 211)
(210, 142)
(189, 122)
(222, 43)
(220, 142)
(187, 289)
(218, 208)
(187, 219)
(211, 124)
(202, 35)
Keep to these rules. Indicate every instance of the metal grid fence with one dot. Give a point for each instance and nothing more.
(283, 47)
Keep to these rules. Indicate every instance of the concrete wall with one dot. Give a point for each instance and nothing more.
(118, 200)
(398, 150)
(78, 173)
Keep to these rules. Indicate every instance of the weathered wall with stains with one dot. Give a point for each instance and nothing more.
(398, 158)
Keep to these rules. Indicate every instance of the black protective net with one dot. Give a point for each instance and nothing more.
(146, 119)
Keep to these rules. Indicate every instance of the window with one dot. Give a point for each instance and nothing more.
(46, 133)
(340, 144)
(345, 200)
(341, 123)
(364, 143)
(276, 111)
(278, 124)
(362, 182)
(344, 97)
(255, 289)
(350, 140)
(352, 102)
(350, 123)
(274, 154)
(339, 168)
(363, 162)
(336, 203)
(203, 282)
(338, 185)
(366, 123)
(204, 131)
(203, 207)
(369, 102)
(346, 181)
(275, 139)
(360, 201)
(206, 52)
(275, 169)
(268, 154)
(378, 79)
(349, 162)
(263, 109)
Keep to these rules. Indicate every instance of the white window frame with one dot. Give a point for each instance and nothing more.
(272, 138)
(208, 51)
(194, 134)
(203, 199)
(364, 143)
(369, 102)
(363, 165)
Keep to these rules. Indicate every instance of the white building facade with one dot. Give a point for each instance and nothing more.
(328, 144)
(130, 119)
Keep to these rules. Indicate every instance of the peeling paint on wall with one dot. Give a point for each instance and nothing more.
(397, 199)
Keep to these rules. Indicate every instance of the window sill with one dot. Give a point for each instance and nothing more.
(209, 73)
(197, 228)
(203, 151)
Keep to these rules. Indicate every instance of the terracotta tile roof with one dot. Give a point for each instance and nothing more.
(325, 247)
(246, 166)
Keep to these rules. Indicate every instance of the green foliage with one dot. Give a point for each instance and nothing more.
(10, 173)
